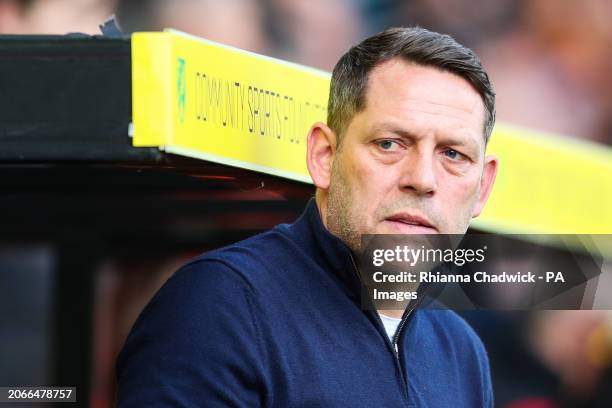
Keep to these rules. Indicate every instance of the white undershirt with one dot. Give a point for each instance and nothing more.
(390, 324)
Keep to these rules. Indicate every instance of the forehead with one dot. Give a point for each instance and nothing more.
(423, 97)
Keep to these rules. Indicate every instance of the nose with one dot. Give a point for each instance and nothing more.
(418, 174)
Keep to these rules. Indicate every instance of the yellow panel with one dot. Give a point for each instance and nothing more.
(201, 99)
(151, 91)
(548, 184)
(225, 105)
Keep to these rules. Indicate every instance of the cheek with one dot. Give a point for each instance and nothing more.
(369, 185)
(463, 193)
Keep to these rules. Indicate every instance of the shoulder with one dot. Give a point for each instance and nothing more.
(208, 298)
(253, 261)
(179, 341)
(244, 268)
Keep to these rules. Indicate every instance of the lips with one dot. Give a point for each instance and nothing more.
(410, 223)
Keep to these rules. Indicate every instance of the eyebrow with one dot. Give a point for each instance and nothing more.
(391, 128)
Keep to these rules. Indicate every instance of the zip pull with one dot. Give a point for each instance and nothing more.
(395, 346)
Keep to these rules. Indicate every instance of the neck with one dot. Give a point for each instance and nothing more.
(321, 201)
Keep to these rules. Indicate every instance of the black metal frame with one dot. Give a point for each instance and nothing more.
(69, 176)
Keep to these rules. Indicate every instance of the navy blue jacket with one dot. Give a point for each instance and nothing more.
(275, 321)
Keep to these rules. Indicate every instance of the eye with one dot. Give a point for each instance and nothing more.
(454, 155)
(388, 145)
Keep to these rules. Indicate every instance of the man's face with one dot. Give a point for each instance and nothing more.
(412, 162)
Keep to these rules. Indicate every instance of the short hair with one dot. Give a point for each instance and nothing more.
(413, 44)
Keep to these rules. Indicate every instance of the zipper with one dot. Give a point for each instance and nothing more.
(394, 342)
(400, 326)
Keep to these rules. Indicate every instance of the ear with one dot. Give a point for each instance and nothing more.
(489, 173)
(320, 154)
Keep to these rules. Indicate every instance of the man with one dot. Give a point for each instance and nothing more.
(276, 320)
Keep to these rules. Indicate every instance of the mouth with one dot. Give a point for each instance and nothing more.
(405, 223)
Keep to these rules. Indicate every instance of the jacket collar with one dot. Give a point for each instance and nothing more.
(326, 249)
(334, 255)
